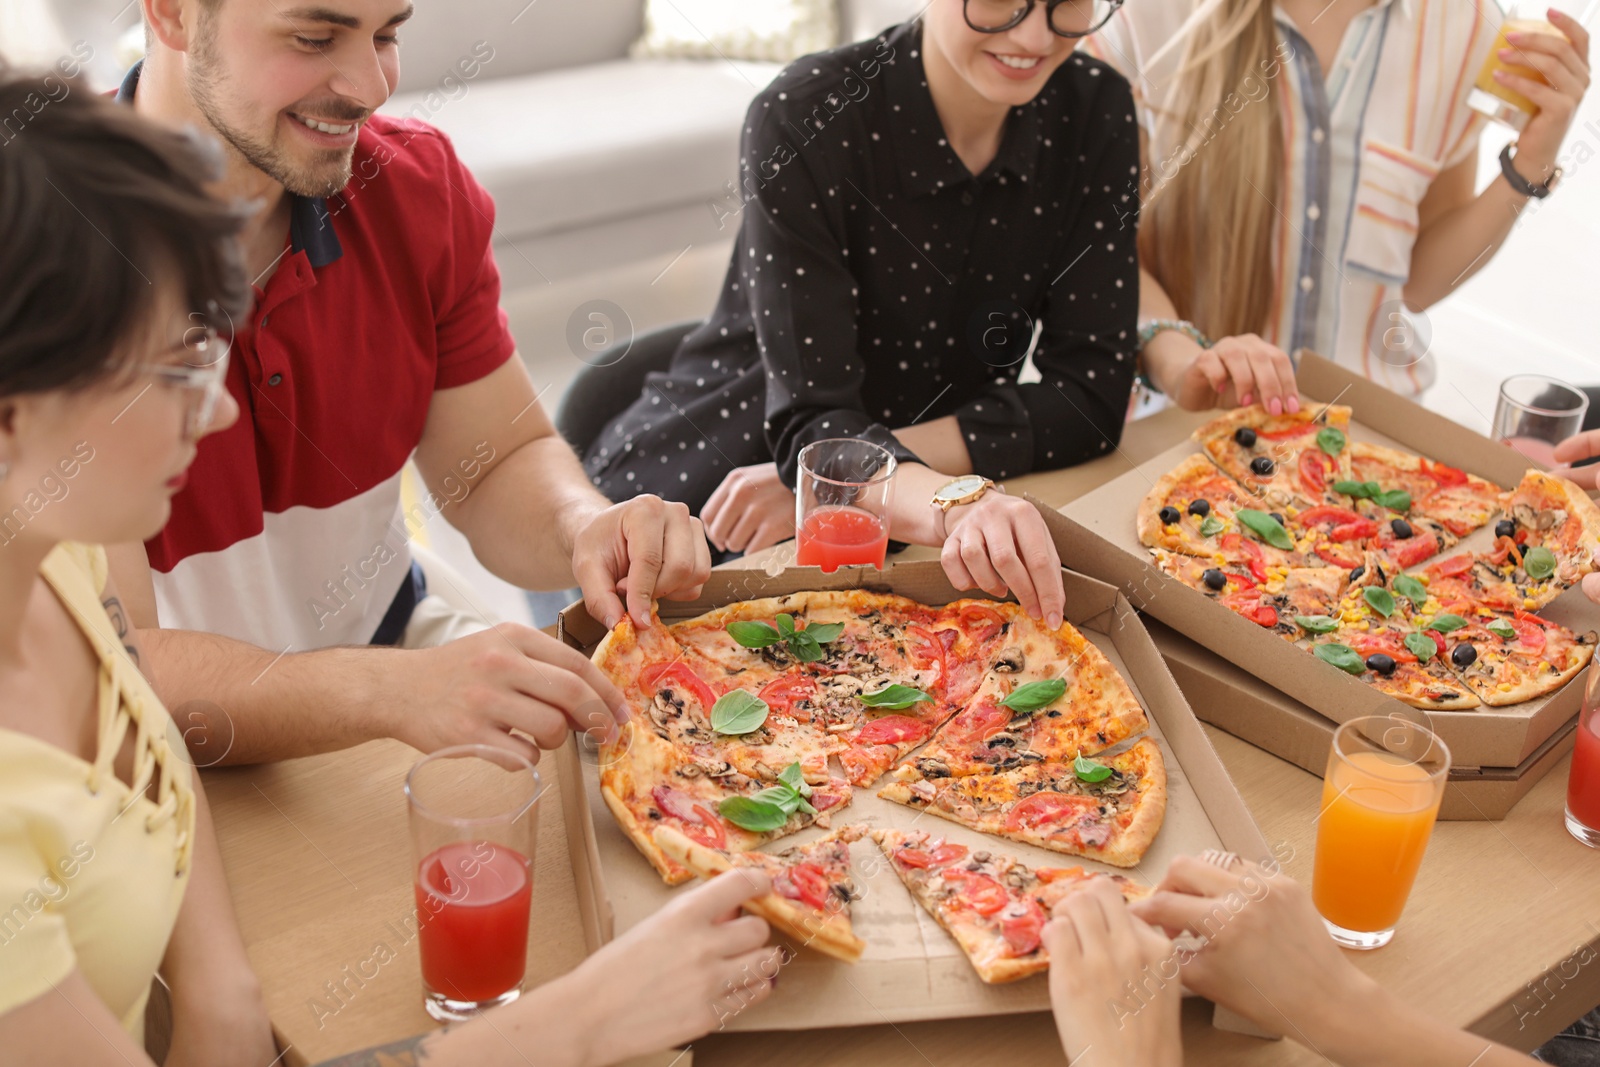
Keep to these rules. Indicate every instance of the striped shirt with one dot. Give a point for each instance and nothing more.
(1362, 143)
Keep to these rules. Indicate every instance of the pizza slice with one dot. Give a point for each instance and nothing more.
(1376, 651)
(1548, 540)
(1511, 658)
(1458, 501)
(992, 905)
(1106, 809)
(811, 885)
(648, 782)
(1274, 602)
(1469, 587)
(1283, 459)
(1191, 506)
(1056, 697)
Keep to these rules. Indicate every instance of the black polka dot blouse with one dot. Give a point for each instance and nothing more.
(876, 283)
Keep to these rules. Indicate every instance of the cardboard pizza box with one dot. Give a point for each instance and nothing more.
(911, 969)
(1096, 535)
(1234, 700)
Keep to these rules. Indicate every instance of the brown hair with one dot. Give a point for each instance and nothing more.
(1206, 232)
(97, 206)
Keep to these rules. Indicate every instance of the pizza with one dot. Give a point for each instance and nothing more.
(742, 715)
(1284, 459)
(1353, 551)
(994, 907)
(1106, 809)
(811, 885)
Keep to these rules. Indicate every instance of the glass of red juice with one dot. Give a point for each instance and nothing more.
(474, 817)
(1535, 413)
(1583, 787)
(842, 504)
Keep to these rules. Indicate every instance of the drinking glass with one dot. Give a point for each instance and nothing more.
(1583, 787)
(1380, 797)
(1498, 101)
(842, 504)
(474, 814)
(1535, 413)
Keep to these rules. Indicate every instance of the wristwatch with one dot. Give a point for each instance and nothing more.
(962, 490)
(1523, 185)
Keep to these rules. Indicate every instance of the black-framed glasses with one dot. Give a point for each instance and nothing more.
(1067, 18)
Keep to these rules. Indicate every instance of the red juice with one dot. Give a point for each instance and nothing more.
(1583, 787)
(473, 900)
(835, 537)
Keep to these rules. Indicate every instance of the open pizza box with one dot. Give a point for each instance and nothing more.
(911, 969)
(1099, 538)
(1234, 700)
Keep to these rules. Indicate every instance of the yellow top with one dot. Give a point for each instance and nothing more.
(92, 872)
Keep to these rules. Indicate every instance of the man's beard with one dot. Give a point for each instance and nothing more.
(321, 179)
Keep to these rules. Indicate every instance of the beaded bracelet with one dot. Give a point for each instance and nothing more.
(1148, 331)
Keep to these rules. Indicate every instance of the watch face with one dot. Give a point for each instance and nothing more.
(961, 487)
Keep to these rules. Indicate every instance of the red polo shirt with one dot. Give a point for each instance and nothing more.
(290, 533)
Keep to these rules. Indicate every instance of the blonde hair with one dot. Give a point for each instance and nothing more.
(1206, 229)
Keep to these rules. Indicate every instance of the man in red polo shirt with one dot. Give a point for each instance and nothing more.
(376, 334)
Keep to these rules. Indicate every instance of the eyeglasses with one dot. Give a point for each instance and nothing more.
(203, 372)
(1067, 18)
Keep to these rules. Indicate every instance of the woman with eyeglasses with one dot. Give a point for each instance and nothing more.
(118, 279)
(1309, 171)
(917, 213)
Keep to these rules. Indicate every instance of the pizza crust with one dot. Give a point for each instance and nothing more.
(831, 935)
(620, 775)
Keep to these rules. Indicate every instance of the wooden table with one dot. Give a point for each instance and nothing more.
(1502, 919)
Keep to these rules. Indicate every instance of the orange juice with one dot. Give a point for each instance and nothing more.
(1377, 813)
(1486, 81)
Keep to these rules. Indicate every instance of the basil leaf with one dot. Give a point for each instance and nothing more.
(786, 624)
(804, 647)
(1330, 440)
(754, 634)
(1447, 623)
(1410, 588)
(1394, 500)
(824, 632)
(738, 711)
(1317, 624)
(1422, 646)
(894, 697)
(781, 797)
(791, 777)
(1089, 770)
(757, 816)
(1344, 657)
(1355, 489)
(1210, 526)
(1035, 695)
(1539, 562)
(1371, 488)
(1380, 600)
(1266, 527)
(1501, 628)
(806, 808)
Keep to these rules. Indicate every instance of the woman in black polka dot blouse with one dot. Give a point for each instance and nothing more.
(913, 211)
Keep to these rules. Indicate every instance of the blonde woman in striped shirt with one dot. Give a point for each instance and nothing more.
(1309, 170)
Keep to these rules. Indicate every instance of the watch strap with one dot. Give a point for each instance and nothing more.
(1523, 185)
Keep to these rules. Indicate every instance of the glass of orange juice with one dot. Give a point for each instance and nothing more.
(1380, 797)
(1496, 100)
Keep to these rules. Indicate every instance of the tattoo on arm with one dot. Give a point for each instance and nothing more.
(407, 1053)
(119, 620)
